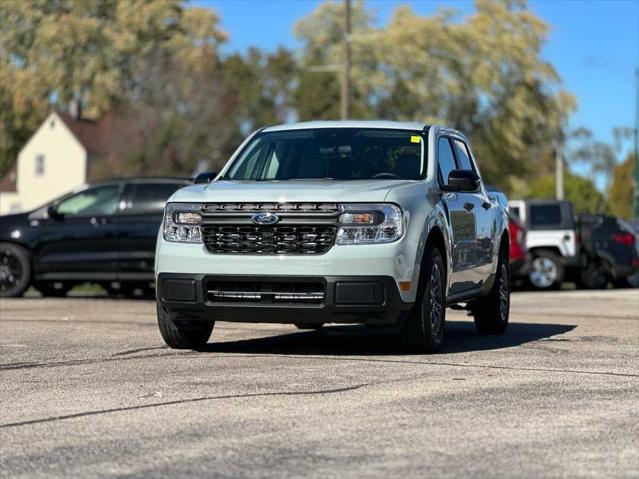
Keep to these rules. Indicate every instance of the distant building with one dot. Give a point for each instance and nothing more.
(62, 155)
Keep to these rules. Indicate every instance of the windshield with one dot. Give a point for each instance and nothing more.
(332, 153)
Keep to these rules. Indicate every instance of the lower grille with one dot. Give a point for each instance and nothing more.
(250, 239)
(265, 292)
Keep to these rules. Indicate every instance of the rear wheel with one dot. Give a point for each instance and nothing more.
(15, 270)
(53, 289)
(183, 334)
(492, 311)
(423, 328)
(594, 275)
(546, 270)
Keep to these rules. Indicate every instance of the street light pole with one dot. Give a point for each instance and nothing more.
(559, 172)
(346, 66)
(635, 209)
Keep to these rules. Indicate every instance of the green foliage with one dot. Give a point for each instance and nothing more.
(483, 75)
(156, 63)
(621, 187)
(581, 191)
(97, 52)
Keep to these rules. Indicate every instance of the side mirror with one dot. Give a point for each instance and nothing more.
(462, 181)
(52, 212)
(206, 177)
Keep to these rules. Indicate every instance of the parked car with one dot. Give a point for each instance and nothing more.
(380, 223)
(103, 233)
(609, 248)
(519, 257)
(552, 240)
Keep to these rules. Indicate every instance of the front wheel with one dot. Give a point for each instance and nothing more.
(15, 270)
(183, 334)
(492, 311)
(423, 328)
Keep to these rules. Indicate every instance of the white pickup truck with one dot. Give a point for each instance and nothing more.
(381, 223)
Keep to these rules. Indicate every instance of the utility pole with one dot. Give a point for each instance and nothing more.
(345, 99)
(635, 209)
(559, 171)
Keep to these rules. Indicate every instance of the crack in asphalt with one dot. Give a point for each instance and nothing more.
(88, 361)
(438, 363)
(181, 401)
(191, 354)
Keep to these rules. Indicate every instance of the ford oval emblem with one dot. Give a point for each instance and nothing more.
(265, 218)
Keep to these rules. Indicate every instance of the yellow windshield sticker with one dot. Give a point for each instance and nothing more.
(414, 139)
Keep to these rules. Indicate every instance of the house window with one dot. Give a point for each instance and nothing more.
(39, 165)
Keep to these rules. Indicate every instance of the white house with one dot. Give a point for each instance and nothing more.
(54, 161)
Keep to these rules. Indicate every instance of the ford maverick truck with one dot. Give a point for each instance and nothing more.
(380, 223)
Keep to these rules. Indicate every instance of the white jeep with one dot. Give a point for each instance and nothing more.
(381, 223)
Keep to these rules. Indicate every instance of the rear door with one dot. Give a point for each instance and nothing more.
(139, 221)
(462, 221)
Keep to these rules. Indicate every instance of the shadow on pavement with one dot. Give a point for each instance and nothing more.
(359, 340)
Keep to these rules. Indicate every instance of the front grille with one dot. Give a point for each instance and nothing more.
(265, 292)
(303, 228)
(268, 239)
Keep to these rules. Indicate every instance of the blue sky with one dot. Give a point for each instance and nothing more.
(593, 44)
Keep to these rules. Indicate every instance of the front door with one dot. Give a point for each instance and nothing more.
(485, 219)
(78, 241)
(462, 219)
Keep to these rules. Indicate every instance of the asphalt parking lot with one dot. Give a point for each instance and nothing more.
(88, 389)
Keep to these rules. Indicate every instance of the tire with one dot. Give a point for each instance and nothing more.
(52, 289)
(546, 271)
(594, 275)
(423, 327)
(315, 327)
(491, 312)
(183, 334)
(15, 270)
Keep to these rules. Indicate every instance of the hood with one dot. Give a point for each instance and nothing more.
(290, 190)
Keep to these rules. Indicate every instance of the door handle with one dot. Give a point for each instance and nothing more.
(468, 206)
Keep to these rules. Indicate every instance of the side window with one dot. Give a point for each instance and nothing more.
(445, 158)
(545, 216)
(149, 198)
(98, 201)
(463, 156)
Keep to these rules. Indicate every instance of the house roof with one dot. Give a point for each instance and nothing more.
(8, 182)
(86, 131)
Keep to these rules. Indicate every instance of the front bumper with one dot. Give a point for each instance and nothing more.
(345, 299)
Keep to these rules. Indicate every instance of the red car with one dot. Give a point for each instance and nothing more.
(519, 256)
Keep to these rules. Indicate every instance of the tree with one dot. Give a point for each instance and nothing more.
(95, 52)
(581, 191)
(622, 187)
(483, 75)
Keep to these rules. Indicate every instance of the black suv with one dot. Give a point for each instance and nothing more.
(103, 233)
(609, 248)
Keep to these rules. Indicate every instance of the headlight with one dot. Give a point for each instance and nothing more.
(370, 223)
(182, 223)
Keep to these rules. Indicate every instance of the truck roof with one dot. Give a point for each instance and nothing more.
(394, 125)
